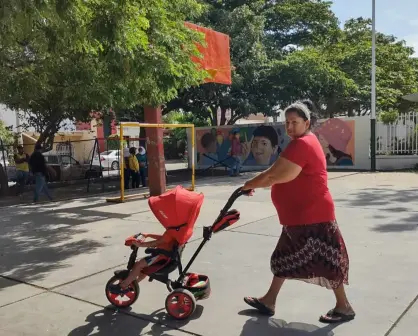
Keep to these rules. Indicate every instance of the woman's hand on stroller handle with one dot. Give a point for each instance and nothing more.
(248, 192)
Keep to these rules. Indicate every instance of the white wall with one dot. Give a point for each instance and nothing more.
(396, 162)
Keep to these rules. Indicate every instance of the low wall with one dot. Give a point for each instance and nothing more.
(345, 142)
(396, 162)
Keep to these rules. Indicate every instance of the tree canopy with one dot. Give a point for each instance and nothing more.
(288, 50)
(261, 33)
(61, 60)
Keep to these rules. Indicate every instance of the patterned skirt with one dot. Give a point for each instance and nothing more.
(314, 253)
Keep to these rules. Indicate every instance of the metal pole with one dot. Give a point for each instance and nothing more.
(193, 163)
(121, 164)
(373, 107)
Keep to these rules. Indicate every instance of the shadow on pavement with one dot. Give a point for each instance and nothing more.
(37, 241)
(272, 327)
(402, 202)
(108, 322)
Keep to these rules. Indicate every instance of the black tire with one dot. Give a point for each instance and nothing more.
(114, 165)
(185, 294)
(124, 304)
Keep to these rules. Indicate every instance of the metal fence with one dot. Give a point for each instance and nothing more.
(84, 165)
(399, 137)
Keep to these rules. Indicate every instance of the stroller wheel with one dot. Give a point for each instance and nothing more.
(122, 300)
(180, 304)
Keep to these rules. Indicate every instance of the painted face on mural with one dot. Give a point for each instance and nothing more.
(208, 142)
(262, 150)
(296, 126)
(334, 136)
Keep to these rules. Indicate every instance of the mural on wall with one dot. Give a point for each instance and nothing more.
(261, 144)
(337, 139)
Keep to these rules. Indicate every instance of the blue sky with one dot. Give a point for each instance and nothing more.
(394, 17)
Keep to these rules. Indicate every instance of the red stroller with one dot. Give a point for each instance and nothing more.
(177, 210)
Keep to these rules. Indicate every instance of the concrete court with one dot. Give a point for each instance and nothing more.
(56, 259)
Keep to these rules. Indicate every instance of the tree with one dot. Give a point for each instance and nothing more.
(396, 70)
(261, 32)
(62, 60)
(6, 134)
(307, 73)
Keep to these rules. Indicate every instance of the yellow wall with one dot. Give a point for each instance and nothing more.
(82, 143)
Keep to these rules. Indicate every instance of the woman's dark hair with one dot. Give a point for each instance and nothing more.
(312, 109)
(304, 109)
(132, 150)
(267, 132)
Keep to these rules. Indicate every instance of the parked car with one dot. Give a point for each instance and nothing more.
(109, 160)
(67, 168)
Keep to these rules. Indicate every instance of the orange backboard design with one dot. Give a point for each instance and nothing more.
(216, 56)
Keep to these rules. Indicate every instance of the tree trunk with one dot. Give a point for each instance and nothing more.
(214, 114)
(47, 136)
(223, 116)
(331, 106)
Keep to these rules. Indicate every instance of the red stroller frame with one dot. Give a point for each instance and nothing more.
(181, 301)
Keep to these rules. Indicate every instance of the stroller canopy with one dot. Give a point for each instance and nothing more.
(177, 210)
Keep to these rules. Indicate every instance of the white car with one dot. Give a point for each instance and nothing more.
(109, 160)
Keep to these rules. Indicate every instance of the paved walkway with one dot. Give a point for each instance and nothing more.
(56, 259)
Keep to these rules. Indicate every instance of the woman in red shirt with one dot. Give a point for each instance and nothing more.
(311, 247)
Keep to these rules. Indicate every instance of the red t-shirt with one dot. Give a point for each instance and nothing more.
(306, 199)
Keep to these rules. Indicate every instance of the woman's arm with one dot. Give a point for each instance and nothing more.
(282, 171)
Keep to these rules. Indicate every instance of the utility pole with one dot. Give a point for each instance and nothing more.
(373, 107)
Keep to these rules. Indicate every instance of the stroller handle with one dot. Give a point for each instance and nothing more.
(235, 195)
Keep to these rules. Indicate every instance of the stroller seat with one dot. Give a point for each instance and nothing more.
(177, 210)
(168, 262)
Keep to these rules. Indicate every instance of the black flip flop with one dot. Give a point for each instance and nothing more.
(336, 317)
(257, 304)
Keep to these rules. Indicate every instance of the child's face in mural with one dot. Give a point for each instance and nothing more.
(262, 150)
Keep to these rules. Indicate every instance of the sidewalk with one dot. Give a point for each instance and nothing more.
(56, 259)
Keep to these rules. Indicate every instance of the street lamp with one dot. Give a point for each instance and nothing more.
(373, 107)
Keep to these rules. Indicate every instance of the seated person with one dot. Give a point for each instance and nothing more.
(164, 242)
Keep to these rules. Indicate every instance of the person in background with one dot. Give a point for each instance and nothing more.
(133, 167)
(22, 169)
(37, 164)
(142, 159)
(236, 152)
(126, 170)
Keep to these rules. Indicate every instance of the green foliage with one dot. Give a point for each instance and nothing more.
(287, 50)
(396, 70)
(63, 59)
(179, 117)
(388, 117)
(6, 134)
(113, 143)
(261, 33)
